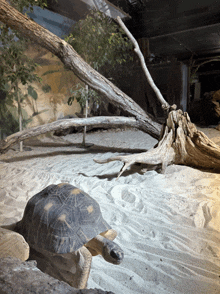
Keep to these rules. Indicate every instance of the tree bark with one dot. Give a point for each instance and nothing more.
(181, 143)
(74, 62)
(99, 121)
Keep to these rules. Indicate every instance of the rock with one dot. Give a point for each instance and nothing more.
(17, 277)
(13, 244)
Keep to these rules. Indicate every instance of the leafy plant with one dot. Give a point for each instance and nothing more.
(99, 40)
(82, 94)
(20, 5)
(15, 66)
(46, 88)
(8, 123)
(50, 72)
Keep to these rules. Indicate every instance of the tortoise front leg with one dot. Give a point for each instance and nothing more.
(84, 267)
(72, 268)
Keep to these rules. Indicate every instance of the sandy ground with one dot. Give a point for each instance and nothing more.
(168, 224)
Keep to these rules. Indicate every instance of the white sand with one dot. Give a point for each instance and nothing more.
(168, 224)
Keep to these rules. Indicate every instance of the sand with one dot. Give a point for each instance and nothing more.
(168, 224)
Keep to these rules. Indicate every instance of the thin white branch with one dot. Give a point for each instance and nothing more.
(137, 50)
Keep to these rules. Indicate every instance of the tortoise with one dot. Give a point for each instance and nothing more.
(64, 228)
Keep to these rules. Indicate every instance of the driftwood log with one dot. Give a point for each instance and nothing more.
(99, 121)
(180, 141)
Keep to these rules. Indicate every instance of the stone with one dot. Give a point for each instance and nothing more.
(13, 244)
(17, 277)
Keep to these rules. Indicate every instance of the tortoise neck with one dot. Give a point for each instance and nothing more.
(95, 245)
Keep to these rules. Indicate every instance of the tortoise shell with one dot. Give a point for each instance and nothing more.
(61, 219)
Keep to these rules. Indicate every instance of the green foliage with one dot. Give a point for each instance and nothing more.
(15, 66)
(82, 94)
(20, 5)
(46, 88)
(8, 124)
(99, 40)
(50, 72)
(32, 92)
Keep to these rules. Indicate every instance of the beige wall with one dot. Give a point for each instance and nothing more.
(53, 104)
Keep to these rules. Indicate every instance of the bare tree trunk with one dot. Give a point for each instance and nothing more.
(17, 96)
(86, 115)
(19, 114)
(99, 121)
(74, 62)
(20, 122)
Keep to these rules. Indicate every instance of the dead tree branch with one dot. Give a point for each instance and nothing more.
(137, 50)
(100, 121)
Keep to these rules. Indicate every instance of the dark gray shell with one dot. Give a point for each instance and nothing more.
(61, 219)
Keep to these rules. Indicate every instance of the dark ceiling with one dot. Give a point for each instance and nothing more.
(73, 9)
(77, 9)
(176, 27)
(179, 28)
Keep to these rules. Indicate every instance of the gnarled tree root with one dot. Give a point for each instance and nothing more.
(181, 143)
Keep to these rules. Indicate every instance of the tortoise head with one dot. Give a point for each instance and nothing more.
(109, 250)
(112, 252)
